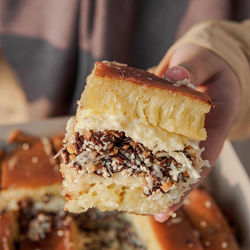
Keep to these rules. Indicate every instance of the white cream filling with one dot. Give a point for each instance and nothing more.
(185, 82)
(155, 138)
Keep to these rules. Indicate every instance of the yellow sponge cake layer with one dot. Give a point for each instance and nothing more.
(113, 100)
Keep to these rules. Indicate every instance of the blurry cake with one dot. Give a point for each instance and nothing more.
(30, 171)
(35, 221)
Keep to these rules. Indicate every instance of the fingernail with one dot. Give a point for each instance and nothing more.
(177, 73)
(161, 217)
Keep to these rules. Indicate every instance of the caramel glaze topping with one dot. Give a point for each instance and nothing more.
(31, 164)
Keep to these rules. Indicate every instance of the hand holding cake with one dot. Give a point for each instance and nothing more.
(134, 143)
(214, 77)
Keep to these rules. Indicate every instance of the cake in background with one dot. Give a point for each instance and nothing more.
(28, 222)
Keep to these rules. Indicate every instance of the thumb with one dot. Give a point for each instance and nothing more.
(195, 59)
(177, 73)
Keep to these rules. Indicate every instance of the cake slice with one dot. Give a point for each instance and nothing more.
(134, 143)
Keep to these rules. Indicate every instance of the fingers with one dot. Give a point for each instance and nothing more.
(199, 62)
(214, 77)
(177, 73)
(161, 217)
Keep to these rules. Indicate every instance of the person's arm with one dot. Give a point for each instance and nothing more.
(216, 55)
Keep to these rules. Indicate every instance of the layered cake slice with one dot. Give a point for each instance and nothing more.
(134, 143)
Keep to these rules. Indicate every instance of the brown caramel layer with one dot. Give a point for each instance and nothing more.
(138, 76)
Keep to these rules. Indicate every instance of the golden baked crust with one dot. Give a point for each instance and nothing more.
(120, 71)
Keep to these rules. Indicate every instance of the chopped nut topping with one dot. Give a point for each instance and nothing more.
(125, 147)
(66, 156)
(91, 168)
(67, 196)
(87, 134)
(72, 157)
(166, 186)
(114, 152)
(71, 149)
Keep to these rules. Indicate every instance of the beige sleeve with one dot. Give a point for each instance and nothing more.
(231, 42)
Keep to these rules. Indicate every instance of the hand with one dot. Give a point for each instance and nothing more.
(211, 75)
